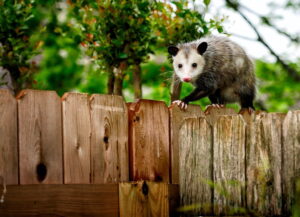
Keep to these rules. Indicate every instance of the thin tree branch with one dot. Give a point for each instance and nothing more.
(267, 22)
(292, 72)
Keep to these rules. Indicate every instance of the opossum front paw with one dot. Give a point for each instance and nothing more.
(215, 106)
(209, 107)
(182, 105)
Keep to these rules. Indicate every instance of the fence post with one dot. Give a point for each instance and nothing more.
(9, 139)
(40, 137)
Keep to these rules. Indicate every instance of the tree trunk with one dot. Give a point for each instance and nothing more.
(175, 88)
(110, 81)
(119, 76)
(118, 86)
(137, 81)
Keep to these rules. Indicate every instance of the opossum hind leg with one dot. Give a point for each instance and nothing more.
(216, 99)
(246, 99)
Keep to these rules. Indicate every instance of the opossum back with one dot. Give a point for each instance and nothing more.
(228, 59)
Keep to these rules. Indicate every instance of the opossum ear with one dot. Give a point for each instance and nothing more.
(202, 48)
(173, 50)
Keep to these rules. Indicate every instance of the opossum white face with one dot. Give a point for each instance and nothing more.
(188, 62)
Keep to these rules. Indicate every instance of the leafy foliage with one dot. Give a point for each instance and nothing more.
(278, 91)
(16, 26)
(175, 22)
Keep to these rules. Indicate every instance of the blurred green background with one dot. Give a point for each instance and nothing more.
(120, 46)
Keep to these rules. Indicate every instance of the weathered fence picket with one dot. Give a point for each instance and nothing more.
(264, 164)
(291, 159)
(40, 137)
(196, 164)
(8, 138)
(177, 117)
(229, 164)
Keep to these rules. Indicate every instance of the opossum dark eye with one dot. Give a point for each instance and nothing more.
(194, 65)
(180, 66)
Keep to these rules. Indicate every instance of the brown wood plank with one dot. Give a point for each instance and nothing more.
(229, 165)
(146, 199)
(61, 200)
(40, 137)
(177, 116)
(195, 143)
(149, 141)
(109, 139)
(291, 159)
(263, 164)
(76, 138)
(9, 138)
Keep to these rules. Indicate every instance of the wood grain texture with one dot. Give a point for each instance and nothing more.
(40, 137)
(144, 199)
(177, 116)
(291, 159)
(109, 139)
(149, 141)
(76, 138)
(9, 138)
(213, 114)
(229, 164)
(264, 164)
(195, 142)
(61, 200)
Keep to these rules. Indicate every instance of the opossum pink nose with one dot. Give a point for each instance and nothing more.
(187, 79)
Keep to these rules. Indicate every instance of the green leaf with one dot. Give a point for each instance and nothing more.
(206, 2)
(220, 29)
(123, 56)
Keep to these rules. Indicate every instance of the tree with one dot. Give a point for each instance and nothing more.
(15, 49)
(122, 32)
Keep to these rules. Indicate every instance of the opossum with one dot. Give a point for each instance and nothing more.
(218, 68)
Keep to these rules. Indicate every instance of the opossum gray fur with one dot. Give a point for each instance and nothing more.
(218, 68)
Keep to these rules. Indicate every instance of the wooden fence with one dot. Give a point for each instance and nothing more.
(78, 155)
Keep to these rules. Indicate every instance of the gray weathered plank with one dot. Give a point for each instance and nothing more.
(229, 165)
(291, 159)
(177, 116)
(40, 137)
(195, 143)
(8, 138)
(76, 138)
(212, 113)
(264, 164)
(109, 139)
